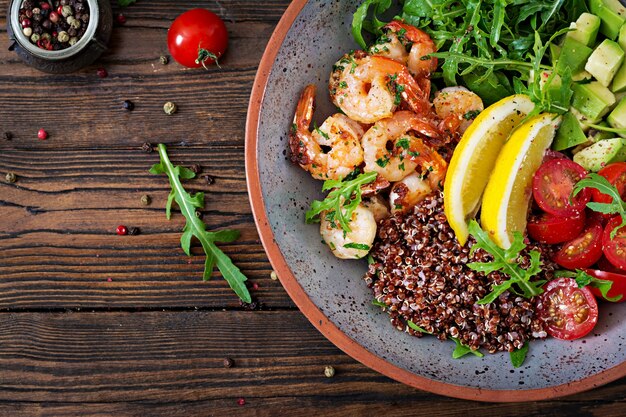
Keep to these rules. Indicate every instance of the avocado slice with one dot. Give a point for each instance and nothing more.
(619, 80)
(617, 118)
(586, 29)
(582, 76)
(570, 133)
(573, 55)
(604, 62)
(595, 157)
(592, 100)
(611, 14)
(622, 37)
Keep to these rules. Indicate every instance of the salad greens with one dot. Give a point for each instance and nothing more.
(341, 202)
(188, 204)
(460, 349)
(583, 279)
(507, 262)
(518, 356)
(487, 43)
(617, 206)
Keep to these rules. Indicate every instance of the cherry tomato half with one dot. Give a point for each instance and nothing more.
(618, 287)
(550, 154)
(567, 312)
(551, 229)
(552, 186)
(616, 175)
(196, 37)
(615, 249)
(583, 251)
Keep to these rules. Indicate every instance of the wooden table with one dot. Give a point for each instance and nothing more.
(92, 323)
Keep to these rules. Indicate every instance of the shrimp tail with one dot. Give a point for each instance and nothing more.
(431, 162)
(299, 135)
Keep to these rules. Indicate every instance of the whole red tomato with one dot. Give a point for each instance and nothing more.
(197, 38)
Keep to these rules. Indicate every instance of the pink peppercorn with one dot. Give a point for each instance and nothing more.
(42, 134)
(120, 19)
(121, 230)
(241, 401)
(102, 73)
(255, 286)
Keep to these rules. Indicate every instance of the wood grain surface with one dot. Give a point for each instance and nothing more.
(92, 323)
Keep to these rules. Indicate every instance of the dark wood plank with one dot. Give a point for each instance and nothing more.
(170, 364)
(58, 246)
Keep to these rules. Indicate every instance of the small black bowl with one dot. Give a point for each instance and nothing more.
(88, 48)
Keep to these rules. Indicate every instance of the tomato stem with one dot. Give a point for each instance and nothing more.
(203, 55)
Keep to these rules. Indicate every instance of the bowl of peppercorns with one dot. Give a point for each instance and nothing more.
(59, 36)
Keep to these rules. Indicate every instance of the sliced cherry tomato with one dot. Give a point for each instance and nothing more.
(567, 312)
(616, 175)
(584, 250)
(619, 283)
(553, 184)
(604, 265)
(551, 229)
(197, 37)
(615, 249)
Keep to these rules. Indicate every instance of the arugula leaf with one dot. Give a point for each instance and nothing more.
(461, 350)
(507, 262)
(194, 227)
(416, 327)
(518, 356)
(124, 3)
(379, 303)
(617, 206)
(359, 21)
(583, 279)
(341, 202)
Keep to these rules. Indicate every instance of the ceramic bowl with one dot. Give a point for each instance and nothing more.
(310, 37)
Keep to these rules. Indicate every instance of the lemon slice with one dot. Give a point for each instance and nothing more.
(474, 159)
(506, 198)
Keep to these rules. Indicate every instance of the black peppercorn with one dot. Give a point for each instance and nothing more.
(164, 60)
(46, 24)
(196, 168)
(209, 179)
(146, 200)
(147, 147)
(228, 363)
(133, 231)
(128, 105)
(8, 136)
(199, 214)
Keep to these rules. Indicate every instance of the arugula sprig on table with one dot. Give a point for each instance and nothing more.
(124, 3)
(617, 206)
(507, 262)
(583, 279)
(194, 227)
(341, 202)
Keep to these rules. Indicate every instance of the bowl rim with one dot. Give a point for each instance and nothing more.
(313, 313)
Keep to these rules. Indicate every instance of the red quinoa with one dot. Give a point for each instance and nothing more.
(420, 272)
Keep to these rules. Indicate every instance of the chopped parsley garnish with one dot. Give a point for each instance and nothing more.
(382, 162)
(359, 246)
(403, 143)
(471, 114)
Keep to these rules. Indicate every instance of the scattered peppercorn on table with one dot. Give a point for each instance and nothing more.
(101, 311)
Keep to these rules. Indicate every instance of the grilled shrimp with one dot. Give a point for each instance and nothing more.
(457, 107)
(406, 193)
(392, 149)
(409, 46)
(359, 240)
(378, 206)
(369, 88)
(340, 134)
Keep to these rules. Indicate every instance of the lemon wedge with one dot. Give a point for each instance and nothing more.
(475, 157)
(507, 195)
